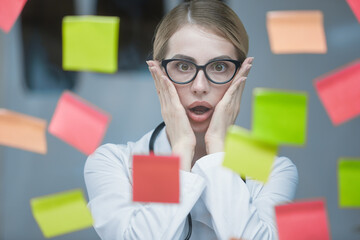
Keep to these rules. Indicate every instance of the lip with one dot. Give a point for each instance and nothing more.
(202, 117)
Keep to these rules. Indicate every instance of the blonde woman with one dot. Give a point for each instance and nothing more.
(200, 69)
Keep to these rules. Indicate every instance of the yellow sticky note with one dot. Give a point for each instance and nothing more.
(296, 32)
(349, 182)
(22, 131)
(90, 43)
(247, 155)
(280, 116)
(61, 213)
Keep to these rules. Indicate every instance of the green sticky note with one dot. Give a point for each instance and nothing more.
(247, 155)
(279, 116)
(61, 213)
(349, 182)
(90, 43)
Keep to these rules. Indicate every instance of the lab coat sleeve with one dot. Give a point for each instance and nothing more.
(109, 187)
(242, 209)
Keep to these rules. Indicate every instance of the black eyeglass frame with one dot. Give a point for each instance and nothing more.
(165, 62)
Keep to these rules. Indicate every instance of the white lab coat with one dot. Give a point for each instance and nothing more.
(221, 204)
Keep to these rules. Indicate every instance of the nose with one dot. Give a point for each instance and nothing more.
(200, 85)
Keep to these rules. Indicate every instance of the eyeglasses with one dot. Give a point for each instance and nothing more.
(218, 71)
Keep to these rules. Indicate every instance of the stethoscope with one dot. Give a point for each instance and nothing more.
(151, 150)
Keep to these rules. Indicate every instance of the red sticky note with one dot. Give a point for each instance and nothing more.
(156, 178)
(339, 91)
(302, 220)
(9, 12)
(355, 7)
(79, 123)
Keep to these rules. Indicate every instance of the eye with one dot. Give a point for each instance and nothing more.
(183, 66)
(219, 67)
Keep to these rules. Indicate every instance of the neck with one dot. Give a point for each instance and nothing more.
(200, 148)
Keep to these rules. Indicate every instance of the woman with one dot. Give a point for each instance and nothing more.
(199, 68)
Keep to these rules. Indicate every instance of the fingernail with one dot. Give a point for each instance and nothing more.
(248, 67)
(251, 60)
(149, 63)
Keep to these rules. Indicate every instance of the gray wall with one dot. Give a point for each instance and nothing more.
(130, 97)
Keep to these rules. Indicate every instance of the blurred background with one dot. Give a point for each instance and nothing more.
(32, 80)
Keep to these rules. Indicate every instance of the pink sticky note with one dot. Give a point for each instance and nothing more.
(9, 12)
(156, 178)
(79, 123)
(302, 220)
(355, 7)
(339, 91)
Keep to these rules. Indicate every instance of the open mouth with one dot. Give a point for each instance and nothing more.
(199, 110)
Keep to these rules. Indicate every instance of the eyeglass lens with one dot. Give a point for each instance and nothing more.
(184, 71)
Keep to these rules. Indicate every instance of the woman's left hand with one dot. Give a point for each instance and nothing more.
(227, 110)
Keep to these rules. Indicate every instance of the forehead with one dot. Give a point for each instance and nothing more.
(200, 43)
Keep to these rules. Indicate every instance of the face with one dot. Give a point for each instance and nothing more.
(200, 97)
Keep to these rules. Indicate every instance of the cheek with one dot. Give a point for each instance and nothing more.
(182, 92)
(220, 92)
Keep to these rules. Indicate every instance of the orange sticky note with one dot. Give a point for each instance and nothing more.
(9, 12)
(302, 220)
(22, 131)
(355, 7)
(339, 92)
(79, 123)
(296, 32)
(156, 178)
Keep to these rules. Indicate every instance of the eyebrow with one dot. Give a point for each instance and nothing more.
(181, 56)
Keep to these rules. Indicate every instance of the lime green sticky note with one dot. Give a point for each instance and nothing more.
(90, 43)
(349, 182)
(279, 116)
(247, 155)
(61, 213)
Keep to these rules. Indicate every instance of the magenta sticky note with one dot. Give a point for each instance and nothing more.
(303, 220)
(9, 12)
(339, 92)
(79, 123)
(156, 178)
(355, 7)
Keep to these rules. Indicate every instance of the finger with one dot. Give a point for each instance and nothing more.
(240, 90)
(233, 89)
(166, 90)
(157, 75)
(245, 69)
(156, 81)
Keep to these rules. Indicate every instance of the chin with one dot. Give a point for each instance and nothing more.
(200, 127)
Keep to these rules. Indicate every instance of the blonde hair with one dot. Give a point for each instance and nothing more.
(212, 14)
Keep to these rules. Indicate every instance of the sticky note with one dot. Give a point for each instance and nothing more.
(247, 155)
(79, 123)
(296, 32)
(90, 43)
(9, 12)
(339, 92)
(22, 131)
(349, 182)
(156, 178)
(280, 116)
(61, 213)
(302, 220)
(355, 7)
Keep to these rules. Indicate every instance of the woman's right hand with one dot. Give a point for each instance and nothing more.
(178, 128)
